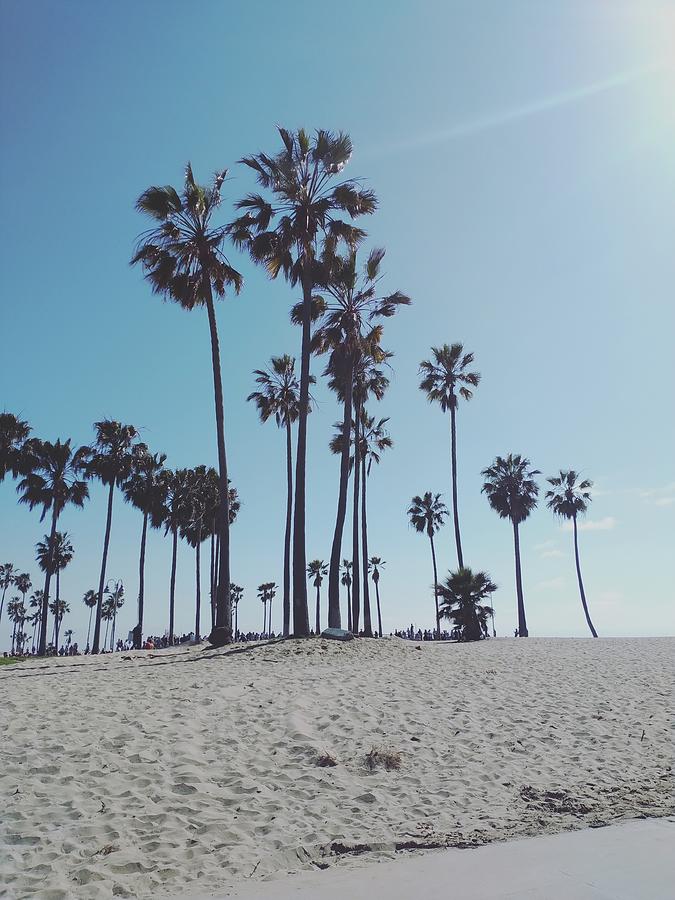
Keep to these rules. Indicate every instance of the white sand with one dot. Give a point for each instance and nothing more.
(195, 771)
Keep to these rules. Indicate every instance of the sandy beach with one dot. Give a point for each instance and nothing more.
(147, 774)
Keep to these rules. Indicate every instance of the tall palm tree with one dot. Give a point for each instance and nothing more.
(234, 505)
(8, 573)
(463, 597)
(352, 303)
(316, 572)
(444, 380)
(110, 459)
(141, 489)
(68, 634)
(263, 597)
(115, 602)
(57, 554)
(512, 492)
(374, 441)
(568, 499)
(16, 613)
(279, 396)
(53, 483)
(236, 592)
(58, 609)
(173, 512)
(271, 594)
(14, 433)
(346, 581)
(183, 259)
(90, 600)
(288, 234)
(23, 584)
(427, 514)
(375, 564)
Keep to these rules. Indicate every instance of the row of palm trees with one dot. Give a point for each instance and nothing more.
(183, 502)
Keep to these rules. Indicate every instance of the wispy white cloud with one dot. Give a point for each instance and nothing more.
(663, 496)
(551, 554)
(607, 598)
(606, 524)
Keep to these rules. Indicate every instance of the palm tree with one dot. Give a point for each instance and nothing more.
(52, 483)
(8, 573)
(90, 600)
(58, 553)
(463, 602)
(68, 634)
(16, 612)
(35, 603)
(374, 441)
(58, 609)
(427, 514)
(271, 594)
(262, 596)
(569, 499)
(289, 235)
(512, 493)
(23, 584)
(346, 580)
(279, 396)
(351, 305)
(115, 602)
(173, 512)
(13, 437)
(236, 592)
(183, 259)
(444, 380)
(375, 563)
(110, 459)
(141, 490)
(317, 570)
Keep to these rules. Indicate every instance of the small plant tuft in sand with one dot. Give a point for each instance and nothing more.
(379, 756)
(326, 760)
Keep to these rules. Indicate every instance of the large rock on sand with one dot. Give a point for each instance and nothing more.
(337, 634)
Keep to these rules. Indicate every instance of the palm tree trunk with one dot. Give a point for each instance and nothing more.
(57, 617)
(349, 607)
(581, 583)
(318, 610)
(101, 581)
(223, 600)
(264, 618)
(334, 620)
(356, 571)
(367, 623)
(13, 638)
(433, 560)
(105, 636)
(269, 626)
(42, 648)
(198, 600)
(455, 511)
(138, 630)
(2, 602)
(172, 588)
(287, 534)
(236, 619)
(91, 609)
(522, 624)
(300, 608)
(379, 612)
(114, 625)
(215, 575)
(212, 593)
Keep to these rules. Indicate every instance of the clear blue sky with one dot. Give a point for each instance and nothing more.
(523, 157)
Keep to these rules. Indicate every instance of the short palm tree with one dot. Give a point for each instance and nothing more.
(173, 512)
(58, 609)
(463, 595)
(110, 459)
(352, 303)
(375, 564)
(444, 380)
(35, 604)
(569, 498)
(266, 593)
(201, 504)
(114, 602)
(53, 483)
(427, 514)
(316, 572)
(236, 592)
(279, 396)
(182, 258)
(306, 216)
(16, 613)
(58, 554)
(90, 599)
(68, 634)
(23, 584)
(142, 491)
(512, 492)
(8, 573)
(346, 581)
(14, 434)
(374, 441)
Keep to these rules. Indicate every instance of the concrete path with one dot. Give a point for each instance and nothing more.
(631, 861)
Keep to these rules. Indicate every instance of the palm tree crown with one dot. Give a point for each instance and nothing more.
(279, 393)
(510, 487)
(317, 570)
(13, 436)
(57, 553)
(463, 596)
(427, 514)
(445, 377)
(568, 497)
(54, 481)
